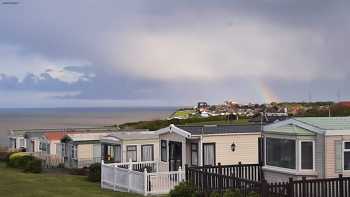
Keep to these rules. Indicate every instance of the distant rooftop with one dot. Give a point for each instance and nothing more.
(217, 129)
(86, 136)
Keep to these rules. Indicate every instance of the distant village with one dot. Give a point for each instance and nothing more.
(236, 110)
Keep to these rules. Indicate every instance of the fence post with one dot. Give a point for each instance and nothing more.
(239, 169)
(130, 164)
(290, 188)
(102, 164)
(179, 174)
(145, 181)
(341, 184)
(264, 188)
(220, 177)
(186, 173)
(205, 181)
(114, 178)
(304, 186)
(129, 175)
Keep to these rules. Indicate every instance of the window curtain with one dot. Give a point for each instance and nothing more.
(131, 153)
(163, 153)
(338, 156)
(209, 154)
(194, 154)
(147, 153)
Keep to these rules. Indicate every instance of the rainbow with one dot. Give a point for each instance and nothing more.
(265, 93)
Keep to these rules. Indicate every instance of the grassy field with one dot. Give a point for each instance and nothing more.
(182, 114)
(14, 183)
(221, 122)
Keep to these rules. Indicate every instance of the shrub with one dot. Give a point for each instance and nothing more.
(232, 193)
(183, 189)
(19, 160)
(215, 194)
(17, 154)
(33, 166)
(94, 172)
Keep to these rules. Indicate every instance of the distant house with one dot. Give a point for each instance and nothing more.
(202, 107)
(316, 147)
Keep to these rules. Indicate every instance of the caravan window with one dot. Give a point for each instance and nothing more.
(163, 150)
(346, 155)
(74, 151)
(209, 154)
(131, 153)
(147, 152)
(194, 154)
(307, 155)
(280, 153)
(21, 143)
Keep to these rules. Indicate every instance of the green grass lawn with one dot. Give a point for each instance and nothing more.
(182, 114)
(221, 122)
(14, 183)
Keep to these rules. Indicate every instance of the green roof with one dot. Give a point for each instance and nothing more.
(327, 123)
(290, 130)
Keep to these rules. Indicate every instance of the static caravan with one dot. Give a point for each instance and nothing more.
(208, 145)
(81, 149)
(315, 147)
(135, 146)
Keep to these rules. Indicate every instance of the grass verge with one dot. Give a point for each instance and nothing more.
(14, 183)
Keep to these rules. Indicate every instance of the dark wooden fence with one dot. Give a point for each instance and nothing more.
(249, 178)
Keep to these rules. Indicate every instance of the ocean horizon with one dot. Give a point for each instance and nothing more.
(71, 117)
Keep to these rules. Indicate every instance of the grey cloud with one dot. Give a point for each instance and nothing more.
(181, 51)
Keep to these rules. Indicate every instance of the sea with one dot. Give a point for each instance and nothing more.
(33, 118)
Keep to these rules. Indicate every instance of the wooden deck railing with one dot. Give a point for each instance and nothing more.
(249, 178)
(151, 166)
(117, 177)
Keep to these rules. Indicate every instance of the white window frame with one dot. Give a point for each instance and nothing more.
(343, 155)
(281, 168)
(126, 152)
(24, 143)
(145, 145)
(313, 155)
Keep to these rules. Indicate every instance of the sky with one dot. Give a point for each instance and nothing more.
(86, 53)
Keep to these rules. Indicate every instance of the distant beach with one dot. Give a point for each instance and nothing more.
(75, 117)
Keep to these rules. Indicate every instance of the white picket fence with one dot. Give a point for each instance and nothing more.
(121, 179)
